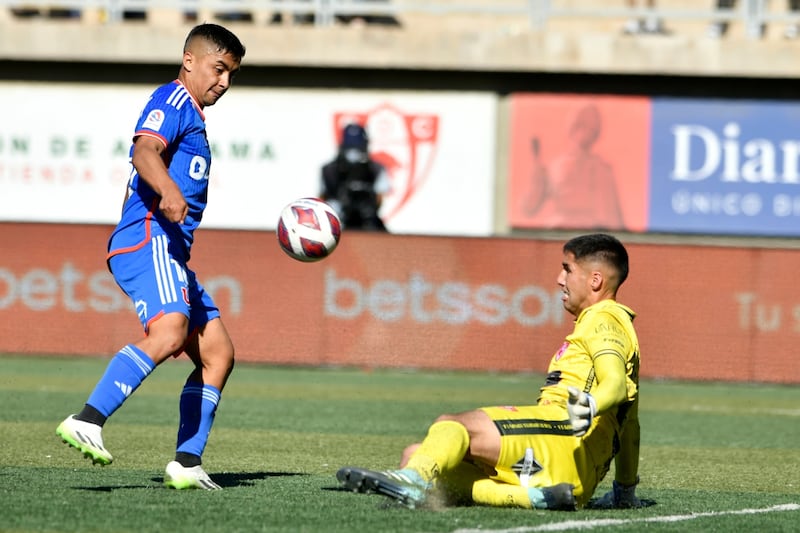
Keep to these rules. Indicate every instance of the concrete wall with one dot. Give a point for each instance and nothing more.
(477, 42)
(403, 301)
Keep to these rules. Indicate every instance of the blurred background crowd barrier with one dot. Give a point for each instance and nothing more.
(751, 15)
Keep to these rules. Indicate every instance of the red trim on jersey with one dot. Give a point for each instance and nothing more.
(149, 133)
(147, 221)
(156, 317)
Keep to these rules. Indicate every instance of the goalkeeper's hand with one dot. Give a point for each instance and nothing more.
(582, 408)
(619, 497)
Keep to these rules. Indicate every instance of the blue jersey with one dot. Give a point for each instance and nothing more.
(171, 116)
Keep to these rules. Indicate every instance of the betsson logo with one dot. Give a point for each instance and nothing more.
(417, 299)
(72, 290)
(449, 302)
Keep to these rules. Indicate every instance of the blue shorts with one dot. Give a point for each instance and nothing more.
(158, 284)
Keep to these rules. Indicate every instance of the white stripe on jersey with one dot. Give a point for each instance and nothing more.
(167, 266)
(156, 269)
(179, 271)
(163, 270)
(178, 97)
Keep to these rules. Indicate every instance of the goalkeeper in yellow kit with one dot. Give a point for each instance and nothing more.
(553, 454)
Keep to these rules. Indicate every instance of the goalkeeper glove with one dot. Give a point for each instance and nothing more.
(619, 497)
(581, 408)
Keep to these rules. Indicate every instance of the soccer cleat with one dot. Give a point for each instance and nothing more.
(181, 477)
(560, 497)
(400, 485)
(86, 438)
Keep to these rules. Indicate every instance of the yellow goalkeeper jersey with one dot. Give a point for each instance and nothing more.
(603, 336)
(604, 329)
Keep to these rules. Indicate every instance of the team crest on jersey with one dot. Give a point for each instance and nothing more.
(154, 120)
(404, 143)
(561, 350)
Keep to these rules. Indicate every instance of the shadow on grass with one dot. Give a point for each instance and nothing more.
(238, 479)
(595, 504)
(224, 480)
(112, 489)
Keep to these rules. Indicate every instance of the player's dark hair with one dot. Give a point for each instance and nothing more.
(222, 37)
(602, 247)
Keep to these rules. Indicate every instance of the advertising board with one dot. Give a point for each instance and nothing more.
(725, 167)
(579, 162)
(485, 304)
(659, 165)
(64, 153)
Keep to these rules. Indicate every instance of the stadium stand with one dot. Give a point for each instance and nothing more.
(521, 35)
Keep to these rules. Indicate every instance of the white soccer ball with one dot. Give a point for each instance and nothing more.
(308, 230)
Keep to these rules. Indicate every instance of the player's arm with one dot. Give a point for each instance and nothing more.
(626, 461)
(149, 163)
(611, 391)
(612, 381)
(623, 491)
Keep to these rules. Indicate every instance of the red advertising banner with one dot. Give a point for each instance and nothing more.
(705, 313)
(579, 162)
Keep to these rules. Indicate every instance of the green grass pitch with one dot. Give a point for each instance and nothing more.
(715, 457)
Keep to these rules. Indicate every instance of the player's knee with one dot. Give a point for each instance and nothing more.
(224, 357)
(162, 344)
(170, 343)
(466, 419)
(216, 367)
(446, 417)
(166, 336)
(407, 453)
(226, 364)
(219, 360)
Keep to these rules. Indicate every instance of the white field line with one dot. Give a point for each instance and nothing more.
(752, 411)
(571, 525)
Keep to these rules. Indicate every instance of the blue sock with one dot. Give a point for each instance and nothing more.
(124, 373)
(198, 407)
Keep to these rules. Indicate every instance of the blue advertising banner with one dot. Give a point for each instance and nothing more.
(725, 167)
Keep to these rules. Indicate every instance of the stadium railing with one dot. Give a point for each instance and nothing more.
(537, 13)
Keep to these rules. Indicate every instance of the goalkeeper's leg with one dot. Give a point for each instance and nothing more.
(469, 483)
(442, 450)
(558, 497)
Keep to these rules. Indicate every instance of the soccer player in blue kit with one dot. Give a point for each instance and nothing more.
(148, 254)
